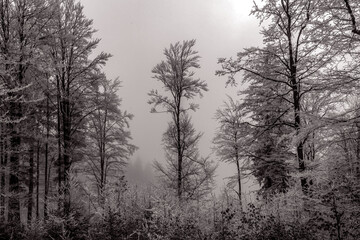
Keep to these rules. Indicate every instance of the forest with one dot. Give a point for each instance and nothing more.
(66, 143)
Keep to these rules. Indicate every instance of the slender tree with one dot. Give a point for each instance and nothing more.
(177, 76)
(108, 142)
(230, 137)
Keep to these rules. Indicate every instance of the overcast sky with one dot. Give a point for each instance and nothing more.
(136, 32)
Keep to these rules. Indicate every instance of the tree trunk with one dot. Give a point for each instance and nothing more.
(179, 179)
(300, 146)
(3, 157)
(67, 163)
(46, 183)
(179, 148)
(59, 161)
(237, 159)
(295, 85)
(357, 162)
(102, 156)
(102, 174)
(37, 178)
(296, 105)
(14, 188)
(238, 177)
(15, 143)
(31, 184)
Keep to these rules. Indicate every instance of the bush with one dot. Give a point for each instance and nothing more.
(60, 227)
(12, 231)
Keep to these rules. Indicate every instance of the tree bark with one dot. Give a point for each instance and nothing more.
(66, 156)
(3, 172)
(352, 17)
(46, 183)
(300, 145)
(357, 161)
(295, 84)
(59, 160)
(238, 174)
(37, 178)
(14, 184)
(31, 184)
(103, 155)
(179, 148)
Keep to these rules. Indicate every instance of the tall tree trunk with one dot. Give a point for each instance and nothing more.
(102, 174)
(37, 178)
(300, 145)
(15, 143)
(31, 184)
(237, 159)
(357, 161)
(238, 177)
(179, 149)
(102, 156)
(3, 157)
(46, 182)
(2, 172)
(295, 84)
(67, 163)
(59, 145)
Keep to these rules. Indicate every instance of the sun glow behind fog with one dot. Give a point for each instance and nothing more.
(233, 13)
(240, 9)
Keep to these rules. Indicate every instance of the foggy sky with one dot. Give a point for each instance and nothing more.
(136, 32)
